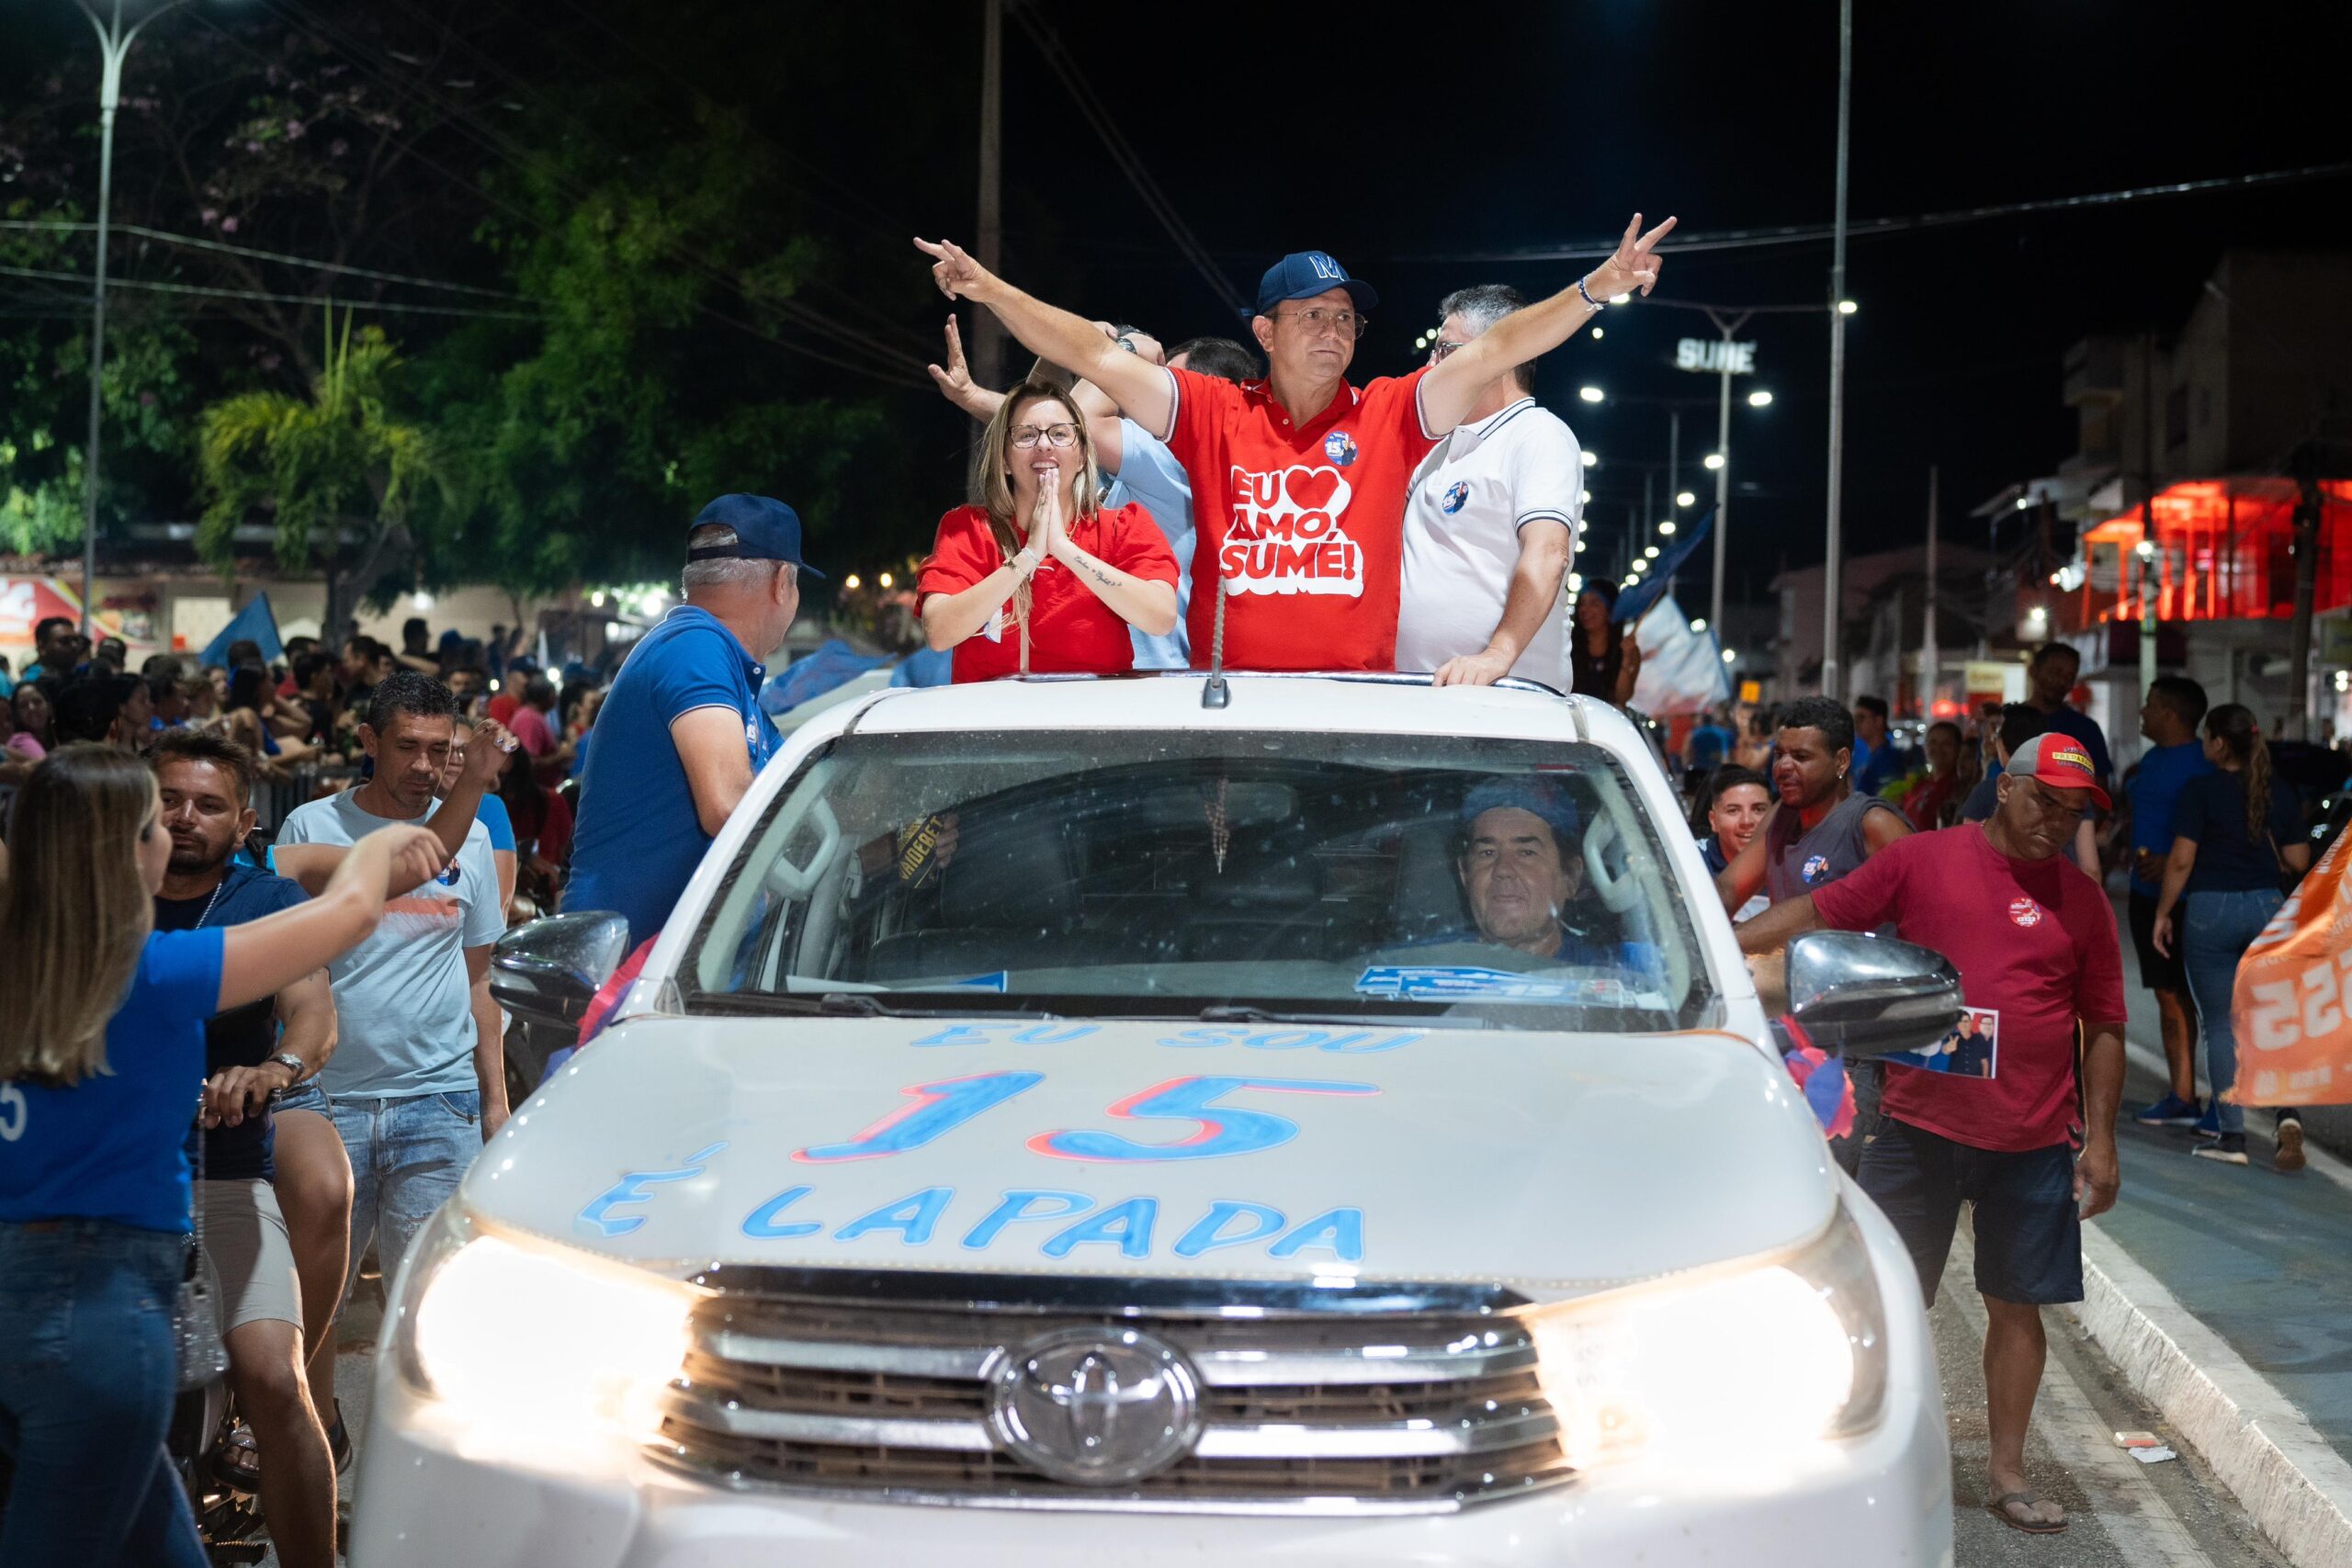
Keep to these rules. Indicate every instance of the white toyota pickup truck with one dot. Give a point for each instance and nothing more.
(1070, 1122)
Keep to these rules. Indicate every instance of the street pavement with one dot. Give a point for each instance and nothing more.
(2264, 1259)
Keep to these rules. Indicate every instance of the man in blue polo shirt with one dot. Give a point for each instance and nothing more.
(681, 736)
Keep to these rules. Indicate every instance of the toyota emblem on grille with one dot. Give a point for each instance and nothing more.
(1095, 1407)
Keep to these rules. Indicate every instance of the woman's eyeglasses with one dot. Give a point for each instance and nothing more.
(1027, 435)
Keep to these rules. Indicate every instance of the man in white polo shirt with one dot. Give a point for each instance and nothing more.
(1490, 523)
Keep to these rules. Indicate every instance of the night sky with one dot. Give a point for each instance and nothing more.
(1421, 151)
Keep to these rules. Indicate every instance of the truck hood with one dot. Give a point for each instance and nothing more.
(1553, 1164)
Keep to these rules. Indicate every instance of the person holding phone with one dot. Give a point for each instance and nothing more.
(1034, 577)
(100, 1075)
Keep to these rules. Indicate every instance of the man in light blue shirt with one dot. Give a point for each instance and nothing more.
(1137, 464)
(418, 1078)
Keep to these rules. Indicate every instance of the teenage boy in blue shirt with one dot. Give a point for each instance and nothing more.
(2169, 717)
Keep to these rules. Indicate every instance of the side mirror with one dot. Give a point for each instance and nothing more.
(1866, 996)
(546, 972)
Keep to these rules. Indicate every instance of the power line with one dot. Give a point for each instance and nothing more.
(1050, 44)
(489, 141)
(209, 292)
(195, 242)
(1805, 233)
(522, 157)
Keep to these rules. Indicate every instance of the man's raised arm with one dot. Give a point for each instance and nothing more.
(1145, 391)
(1451, 391)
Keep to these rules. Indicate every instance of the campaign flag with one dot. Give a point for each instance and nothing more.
(1682, 670)
(2292, 1007)
(255, 621)
(1635, 602)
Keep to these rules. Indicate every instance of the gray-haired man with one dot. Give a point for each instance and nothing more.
(1489, 524)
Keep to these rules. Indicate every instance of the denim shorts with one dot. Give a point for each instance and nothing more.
(304, 1096)
(2028, 1230)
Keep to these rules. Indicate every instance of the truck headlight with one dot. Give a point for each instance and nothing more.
(1734, 1373)
(532, 1348)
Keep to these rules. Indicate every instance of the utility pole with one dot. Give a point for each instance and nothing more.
(1832, 606)
(988, 333)
(1729, 327)
(1931, 657)
(1674, 478)
(2298, 630)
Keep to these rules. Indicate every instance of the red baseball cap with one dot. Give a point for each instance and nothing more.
(2059, 761)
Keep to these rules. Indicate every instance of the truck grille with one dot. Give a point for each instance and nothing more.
(1407, 1411)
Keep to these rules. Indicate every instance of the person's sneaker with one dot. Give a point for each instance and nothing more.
(2208, 1123)
(2290, 1142)
(2227, 1147)
(2170, 1112)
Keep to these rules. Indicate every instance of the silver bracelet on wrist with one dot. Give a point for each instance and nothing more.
(1586, 294)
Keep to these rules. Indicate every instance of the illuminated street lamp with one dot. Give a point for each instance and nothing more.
(1590, 394)
(1759, 399)
(1847, 307)
(1667, 527)
(1712, 461)
(1684, 497)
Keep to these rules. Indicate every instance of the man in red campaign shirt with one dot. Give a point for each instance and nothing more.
(2035, 942)
(1299, 480)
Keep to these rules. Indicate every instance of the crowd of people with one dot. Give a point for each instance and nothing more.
(1997, 854)
(1131, 507)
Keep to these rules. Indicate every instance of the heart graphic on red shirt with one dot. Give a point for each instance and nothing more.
(1315, 490)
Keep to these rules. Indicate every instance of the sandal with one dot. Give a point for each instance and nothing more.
(1999, 1508)
(339, 1441)
(238, 1462)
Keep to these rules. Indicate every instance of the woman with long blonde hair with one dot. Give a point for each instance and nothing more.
(1035, 576)
(100, 1070)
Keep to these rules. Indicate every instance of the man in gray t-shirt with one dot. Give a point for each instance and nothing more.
(417, 1080)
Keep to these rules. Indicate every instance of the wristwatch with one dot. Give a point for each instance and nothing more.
(293, 1064)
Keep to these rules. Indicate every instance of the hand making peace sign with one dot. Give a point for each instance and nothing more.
(1635, 263)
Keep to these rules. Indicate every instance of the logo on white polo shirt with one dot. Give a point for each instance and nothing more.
(1455, 495)
(1286, 534)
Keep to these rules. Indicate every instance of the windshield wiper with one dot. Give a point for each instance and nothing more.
(865, 1004)
(1245, 1012)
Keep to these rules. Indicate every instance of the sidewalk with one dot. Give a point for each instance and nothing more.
(2225, 1295)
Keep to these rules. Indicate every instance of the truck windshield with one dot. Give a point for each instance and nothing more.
(1166, 874)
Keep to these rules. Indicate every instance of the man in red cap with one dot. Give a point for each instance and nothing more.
(2035, 942)
(1299, 480)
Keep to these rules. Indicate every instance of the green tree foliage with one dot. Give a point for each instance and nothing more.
(347, 481)
(655, 379)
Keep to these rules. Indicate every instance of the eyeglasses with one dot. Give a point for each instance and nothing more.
(1442, 347)
(1027, 435)
(1317, 320)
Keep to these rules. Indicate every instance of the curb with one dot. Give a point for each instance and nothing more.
(2297, 1489)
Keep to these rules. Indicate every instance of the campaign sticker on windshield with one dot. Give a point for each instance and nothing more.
(1446, 983)
(998, 982)
(1971, 1050)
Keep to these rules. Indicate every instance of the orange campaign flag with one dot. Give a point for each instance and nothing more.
(2294, 1003)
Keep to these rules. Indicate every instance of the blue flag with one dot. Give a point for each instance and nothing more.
(1635, 602)
(253, 622)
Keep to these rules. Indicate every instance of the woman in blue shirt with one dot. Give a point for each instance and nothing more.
(2236, 836)
(100, 1069)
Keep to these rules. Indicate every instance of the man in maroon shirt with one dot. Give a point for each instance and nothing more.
(2035, 942)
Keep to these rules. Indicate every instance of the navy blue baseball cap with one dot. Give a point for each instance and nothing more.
(1302, 274)
(765, 530)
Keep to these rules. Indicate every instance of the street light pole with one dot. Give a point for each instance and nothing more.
(1727, 326)
(988, 334)
(1832, 608)
(114, 45)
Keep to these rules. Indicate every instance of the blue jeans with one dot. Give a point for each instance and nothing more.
(2215, 931)
(88, 1372)
(407, 1157)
